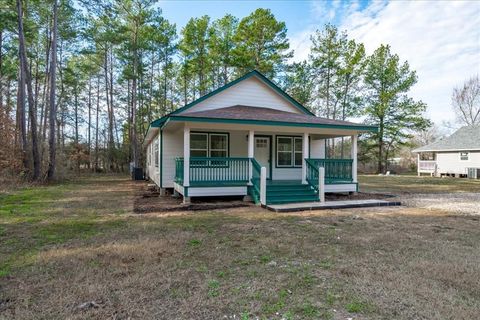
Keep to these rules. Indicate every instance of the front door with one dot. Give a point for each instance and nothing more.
(262, 153)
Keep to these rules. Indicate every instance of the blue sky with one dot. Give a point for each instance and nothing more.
(440, 39)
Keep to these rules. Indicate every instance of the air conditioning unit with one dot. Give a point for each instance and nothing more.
(473, 173)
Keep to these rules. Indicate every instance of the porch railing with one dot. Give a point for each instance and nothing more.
(254, 189)
(336, 170)
(179, 171)
(218, 171)
(427, 165)
(312, 173)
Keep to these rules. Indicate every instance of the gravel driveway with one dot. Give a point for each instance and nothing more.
(463, 203)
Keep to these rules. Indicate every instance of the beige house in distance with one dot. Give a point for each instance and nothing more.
(457, 155)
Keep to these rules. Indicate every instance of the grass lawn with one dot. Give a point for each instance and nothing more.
(64, 245)
(413, 184)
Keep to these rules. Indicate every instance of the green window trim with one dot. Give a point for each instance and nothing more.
(295, 141)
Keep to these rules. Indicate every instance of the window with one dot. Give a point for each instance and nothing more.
(289, 151)
(155, 150)
(199, 144)
(464, 156)
(218, 145)
(261, 142)
(209, 145)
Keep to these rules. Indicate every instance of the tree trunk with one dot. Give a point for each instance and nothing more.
(89, 121)
(96, 123)
(21, 121)
(53, 107)
(380, 148)
(31, 104)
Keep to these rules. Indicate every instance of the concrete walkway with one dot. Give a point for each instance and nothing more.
(303, 206)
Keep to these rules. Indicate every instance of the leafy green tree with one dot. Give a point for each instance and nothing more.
(262, 44)
(194, 47)
(387, 104)
(297, 82)
(326, 55)
(221, 46)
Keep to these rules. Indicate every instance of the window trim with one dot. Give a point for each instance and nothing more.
(465, 153)
(293, 152)
(156, 155)
(207, 133)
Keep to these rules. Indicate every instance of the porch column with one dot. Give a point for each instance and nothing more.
(186, 156)
(251, 142)
(354, 157)
(305, 156)
(418, 164)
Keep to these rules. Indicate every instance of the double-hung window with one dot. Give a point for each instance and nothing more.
(289, 151)
(156, 155)
(203, 144)
(464, 156)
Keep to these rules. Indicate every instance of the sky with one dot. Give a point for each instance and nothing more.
(439, 39)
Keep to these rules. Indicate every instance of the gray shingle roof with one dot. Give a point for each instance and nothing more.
(240, 112)
(465, 138)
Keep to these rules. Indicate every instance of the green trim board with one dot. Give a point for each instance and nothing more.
(274, 123)
(271, 151)
(161, 158)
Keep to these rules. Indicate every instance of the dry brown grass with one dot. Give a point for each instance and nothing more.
(400, 263)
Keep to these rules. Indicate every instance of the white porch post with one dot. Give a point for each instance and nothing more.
(186, 156)
(305, 156)
(251, 144)
(263, 186)
(418, 164)
(354, 157)
(321, 184)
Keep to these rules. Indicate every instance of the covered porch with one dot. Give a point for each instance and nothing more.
(272, 167)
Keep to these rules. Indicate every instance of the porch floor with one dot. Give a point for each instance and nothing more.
(302, 206)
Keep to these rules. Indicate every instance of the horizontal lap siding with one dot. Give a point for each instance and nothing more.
(249, 92)
(172, 148)
(449, 162)
(153, 172)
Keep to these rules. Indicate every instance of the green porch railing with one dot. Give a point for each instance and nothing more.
(336, 170)
(179, 171)
(312, 173)
(218, 171)
(254, 189)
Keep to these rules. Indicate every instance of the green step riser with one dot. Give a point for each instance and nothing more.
(290, 201)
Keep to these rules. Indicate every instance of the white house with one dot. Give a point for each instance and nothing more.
(458, 155)
(249, 138)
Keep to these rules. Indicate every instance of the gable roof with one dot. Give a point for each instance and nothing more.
(259, 115)
(465, 138)
(253, 73)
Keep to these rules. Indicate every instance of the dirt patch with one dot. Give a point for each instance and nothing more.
(148, 200)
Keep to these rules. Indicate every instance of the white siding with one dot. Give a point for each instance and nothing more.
(172, 148)
(153, 172)
(249, 92)
(317, 148)
(449, 162)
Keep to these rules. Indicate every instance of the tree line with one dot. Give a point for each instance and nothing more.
(80, 81)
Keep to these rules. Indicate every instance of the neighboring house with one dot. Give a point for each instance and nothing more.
(249, 138)
(457, 155)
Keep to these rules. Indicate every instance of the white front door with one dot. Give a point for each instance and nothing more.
(262, 152)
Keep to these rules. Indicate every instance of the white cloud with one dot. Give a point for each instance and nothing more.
(440, 40)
